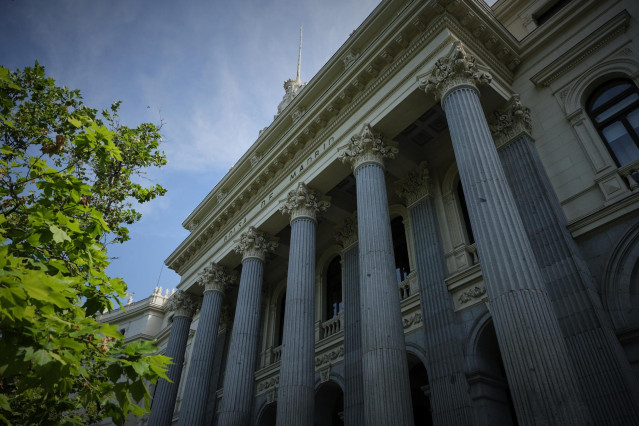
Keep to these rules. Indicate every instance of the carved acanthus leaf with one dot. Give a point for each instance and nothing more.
(346, 235)
(182, 303)
(303, 202)
(415, 186)
(457, 69)
(510, 121)
(215, 277)
(254, 243)
(473, 293)
(367, 147)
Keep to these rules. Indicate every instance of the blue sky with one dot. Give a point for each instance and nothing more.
(212, 70)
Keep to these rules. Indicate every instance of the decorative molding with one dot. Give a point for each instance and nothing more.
(221, 196)
(350, 58)
(346, 234)
(329, 357)
(269, 384)
(510, 121)
(303, 202)
(325, 374)
(582, 50)
(415, 186)
(298, 113)
(367, 147)
(256, 159)
(411, 320)
(456, 69)
(215, 277)
(182, 303)
(254, 243)
(475, 292)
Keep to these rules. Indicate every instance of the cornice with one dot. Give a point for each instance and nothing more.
(331, 97)
(583, 49)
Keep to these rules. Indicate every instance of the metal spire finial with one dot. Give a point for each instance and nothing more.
(299, 59)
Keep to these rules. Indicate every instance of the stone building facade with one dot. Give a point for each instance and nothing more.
(441, 227)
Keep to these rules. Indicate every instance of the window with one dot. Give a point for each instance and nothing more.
(464, 209)
(549, 11)
(614, 110)
(334, 288)
(400, 247)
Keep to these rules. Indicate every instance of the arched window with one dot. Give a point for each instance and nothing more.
(614, 110)
(464, 209)
(400, 247)
(334, 288)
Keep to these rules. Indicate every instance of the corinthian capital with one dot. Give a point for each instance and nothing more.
(303, 202)
(346, 235)
(456, 69)
(510, 121)
(215, 277)
(415, 186)
(182, 303)
(254, 243)
(367, 147)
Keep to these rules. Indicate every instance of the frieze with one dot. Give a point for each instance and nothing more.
(473, 293)
(268, 384)
(411, 320)
(328, 357)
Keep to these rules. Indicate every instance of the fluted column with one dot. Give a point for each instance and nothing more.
(387, 397)
(449, 392)
(604, 372)
(214, 279)
(353, 376)
(183, 305)
(296, 394)
(534, 351)
(239, 382)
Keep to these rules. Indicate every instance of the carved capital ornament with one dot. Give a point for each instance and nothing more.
(182, 303)
(254, 243)
(415, 186)
(510, 121)
(303, 202)
(346, 235)
(367, 147)
(215, 277)
(455, 70)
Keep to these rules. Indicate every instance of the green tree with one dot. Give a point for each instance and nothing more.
(68, 181)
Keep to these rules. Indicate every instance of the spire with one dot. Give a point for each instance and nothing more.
(299, 59)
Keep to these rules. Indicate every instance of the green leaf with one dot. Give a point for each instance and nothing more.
(59, 236)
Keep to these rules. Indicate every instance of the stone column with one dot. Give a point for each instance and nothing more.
(534, 351)
(605, 374)
(239, 382)
(353, 376)
(214, 279)
(296, 394)
(387, 397)
(449, 392)
(183, 305)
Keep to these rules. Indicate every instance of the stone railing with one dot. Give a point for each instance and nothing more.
(409, 286)
(472, 251)
(332, 326)
(276, 354)
(630, 172)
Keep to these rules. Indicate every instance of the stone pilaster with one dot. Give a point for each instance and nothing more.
(214, 278)
(296, 394)
(239, 383)
(183, 306)
(387, 398)
(449, 392)
(537, 364)
(604, 372)
(353, 375)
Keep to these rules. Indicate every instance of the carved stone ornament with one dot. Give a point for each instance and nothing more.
(367, 147)
(457, 69)
(346, 235)
(182, 303)
(254, 243)
(473, 293)
(510, 121)
(216, 278)
(329, 357)
(350, 57)
(303, 202)
(415, 186)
